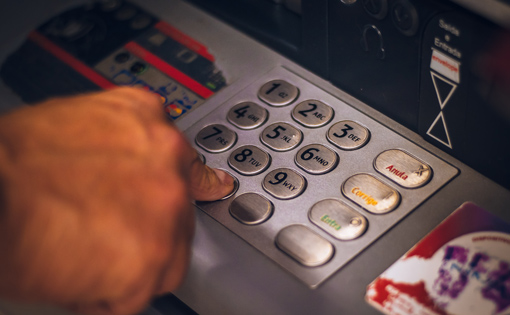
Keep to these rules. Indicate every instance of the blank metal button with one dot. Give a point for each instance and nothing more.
(304, 245)
(281, 136)
(312, 113)
(348, 135)
(338, 219)
(216, 138)
(251, 208)
(249, 160)
(316, 159)
(278, 93)
(247, 115)
(402, 168)
(284, 183)
(370, 193)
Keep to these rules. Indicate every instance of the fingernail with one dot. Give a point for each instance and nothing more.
(224, 177)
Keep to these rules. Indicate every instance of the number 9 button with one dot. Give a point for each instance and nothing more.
(249, 160)
(284, 183)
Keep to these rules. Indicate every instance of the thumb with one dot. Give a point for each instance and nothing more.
(209, 184)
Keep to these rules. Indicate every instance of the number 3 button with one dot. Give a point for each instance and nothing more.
(348, 135)
(216, 138)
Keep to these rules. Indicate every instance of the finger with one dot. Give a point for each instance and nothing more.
(209, 184)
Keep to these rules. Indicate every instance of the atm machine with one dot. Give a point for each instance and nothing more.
(369, 140)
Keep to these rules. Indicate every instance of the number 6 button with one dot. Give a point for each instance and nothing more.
(284, 183)
(316, 159)
(216, 138)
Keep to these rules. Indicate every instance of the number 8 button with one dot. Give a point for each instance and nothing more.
(249, 160)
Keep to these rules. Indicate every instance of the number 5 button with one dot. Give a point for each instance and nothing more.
(216, 138)
(281, 137)
(348, 135)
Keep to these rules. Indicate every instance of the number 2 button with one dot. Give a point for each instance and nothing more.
(216, 138)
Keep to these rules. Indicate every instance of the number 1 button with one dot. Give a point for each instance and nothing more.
(278, 93)
(216, 138)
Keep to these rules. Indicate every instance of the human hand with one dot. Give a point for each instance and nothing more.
(95, 211)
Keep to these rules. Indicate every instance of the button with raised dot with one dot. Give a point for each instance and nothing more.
(281, 136)
(370, 193)
(216, 138)
(247, 115)
(284, 183)
(312, 113)
(338, 219)
(403, 168)
(316, 159)
(251, 208)
(348, 135)
(249, 160)
(278, 93)
(304, 245)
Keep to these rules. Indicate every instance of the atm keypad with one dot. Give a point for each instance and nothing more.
(318, 180)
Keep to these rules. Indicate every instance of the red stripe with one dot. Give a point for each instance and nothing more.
(184, 39)
(172, 72)
(70, 60)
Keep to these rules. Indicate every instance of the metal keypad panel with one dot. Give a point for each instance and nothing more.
(319, 181)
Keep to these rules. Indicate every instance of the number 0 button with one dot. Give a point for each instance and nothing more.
(278, 93)
(216, 138)
(284, 183)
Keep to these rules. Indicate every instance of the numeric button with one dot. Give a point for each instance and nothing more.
(247, 115)
(281, 137)
(251, 208)
(312, 113)
(284, 183)
(249, 160)
(316, 159)
(348, 135)
(278, 93)
(216, 138)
